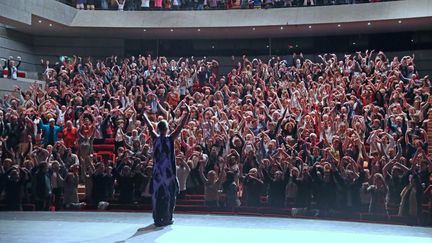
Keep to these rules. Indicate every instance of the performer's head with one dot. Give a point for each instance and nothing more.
(162, 128)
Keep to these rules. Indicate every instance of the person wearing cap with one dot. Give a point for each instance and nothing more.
(50, 132)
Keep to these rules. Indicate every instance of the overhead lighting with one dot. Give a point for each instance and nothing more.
(296, 45)
(354, 43)
(412, 40)
(310, 26)
(212, 47)
(253, 28)
(281, 27)
(144, 30)
(50, 25)
(369, 23)
(338, 25)
(40, 21)
(198, 30)
(171, 30)
(268, 46)
(400, 21)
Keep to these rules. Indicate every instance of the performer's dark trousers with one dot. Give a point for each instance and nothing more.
(164, 200)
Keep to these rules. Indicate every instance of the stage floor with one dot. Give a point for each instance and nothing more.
(137, 227)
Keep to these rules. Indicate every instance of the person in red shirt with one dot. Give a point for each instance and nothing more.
(70, 135)
(173, 98)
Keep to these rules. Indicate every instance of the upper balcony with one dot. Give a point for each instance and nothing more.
(52, 18)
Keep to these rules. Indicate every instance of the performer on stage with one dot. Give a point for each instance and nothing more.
(164, 182)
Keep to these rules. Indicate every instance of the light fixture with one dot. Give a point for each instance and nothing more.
(253, 28)
(354, 43)
(412, 40)
(310, 26)
(171, 30)
(296, 45)
(369, 23)
(198, 30)
(268, 46)
(400, 21)
(40, 21)
(281, 28)
(338, 25)
(212, 47)
(50, 25)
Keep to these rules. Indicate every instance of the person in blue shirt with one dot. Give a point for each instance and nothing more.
(50, 132)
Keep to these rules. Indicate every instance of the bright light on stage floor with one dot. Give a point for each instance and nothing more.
(137, 227)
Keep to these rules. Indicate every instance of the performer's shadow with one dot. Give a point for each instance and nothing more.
(145, 230)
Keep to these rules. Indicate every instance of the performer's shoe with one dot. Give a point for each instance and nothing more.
(159, 224)
(169, 222)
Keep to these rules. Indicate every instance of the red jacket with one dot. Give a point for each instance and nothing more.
(70, 136)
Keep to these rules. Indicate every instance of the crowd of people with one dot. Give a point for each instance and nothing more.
(337, 134)
(134, 5)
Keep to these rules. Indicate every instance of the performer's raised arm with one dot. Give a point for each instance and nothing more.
(149, 125)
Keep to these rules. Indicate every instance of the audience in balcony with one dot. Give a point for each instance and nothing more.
(344, 133)
(80, 4)
(120, 4)
(10, 67)
(134, 5)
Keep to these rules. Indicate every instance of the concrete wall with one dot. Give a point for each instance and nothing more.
(15, 44)
(52, 47)
(21, 11)
(7, 86)
(33, 48)
(240, 18)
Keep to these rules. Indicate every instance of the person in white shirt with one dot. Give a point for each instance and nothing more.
(118, 138)
(61, 114)
(183, 171)
(175, 4)
(145, 4)
(12, 67)
(121, 4)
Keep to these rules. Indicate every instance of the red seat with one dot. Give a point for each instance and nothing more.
(109, 141)
(103, 147)
(105, 156)
(20, 74)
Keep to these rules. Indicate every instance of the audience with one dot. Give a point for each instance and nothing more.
(10, 67)
(135, 5)
(342, 134)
